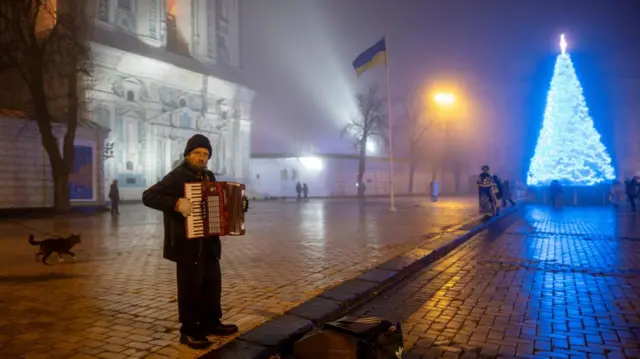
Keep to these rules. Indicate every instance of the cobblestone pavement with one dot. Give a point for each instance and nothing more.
(553, 285)
(117, 299)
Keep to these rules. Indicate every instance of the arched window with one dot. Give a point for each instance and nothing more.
(131, 96)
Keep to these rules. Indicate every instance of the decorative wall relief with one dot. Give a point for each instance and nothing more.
(103, 10)
(108, 150)
(126, 20)
(149, 133)
(125, 86)
(102, 116)
(184, 120)
(223, 108)
(205, 124)
(194, 101)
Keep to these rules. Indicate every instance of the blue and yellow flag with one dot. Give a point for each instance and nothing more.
(372, 57)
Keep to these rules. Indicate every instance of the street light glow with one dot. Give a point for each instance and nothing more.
(445, 98)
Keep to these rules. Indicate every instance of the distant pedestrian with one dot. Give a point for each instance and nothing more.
(616, 194)
(114, 196)
(631, 189)
(555, 191)
(435, 190)
(299, 191)
(498, 191)
(506, 194)
(488, 201)
(305, 192)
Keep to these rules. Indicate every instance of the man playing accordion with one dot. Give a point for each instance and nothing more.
(197, 260)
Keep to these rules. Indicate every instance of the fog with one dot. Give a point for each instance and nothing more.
(498, 57)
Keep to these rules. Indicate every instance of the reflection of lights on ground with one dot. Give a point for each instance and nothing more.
(452, 204)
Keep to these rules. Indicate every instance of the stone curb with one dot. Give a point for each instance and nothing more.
(275, 334)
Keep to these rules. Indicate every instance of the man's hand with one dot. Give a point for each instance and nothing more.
(184, 207)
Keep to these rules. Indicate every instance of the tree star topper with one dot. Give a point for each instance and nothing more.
(563, 44)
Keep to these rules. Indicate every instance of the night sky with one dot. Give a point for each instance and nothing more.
(298, 54)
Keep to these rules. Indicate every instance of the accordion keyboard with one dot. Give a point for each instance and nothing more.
(213, 208)
(195, 221)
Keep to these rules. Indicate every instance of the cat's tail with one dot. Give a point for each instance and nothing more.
(32, 241)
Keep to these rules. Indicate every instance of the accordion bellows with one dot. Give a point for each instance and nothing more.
(218, 209)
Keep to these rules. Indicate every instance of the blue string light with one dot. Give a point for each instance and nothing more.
(569, 148)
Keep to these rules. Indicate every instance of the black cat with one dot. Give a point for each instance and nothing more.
(57, 245)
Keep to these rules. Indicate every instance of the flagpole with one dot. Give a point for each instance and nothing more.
(392, 206)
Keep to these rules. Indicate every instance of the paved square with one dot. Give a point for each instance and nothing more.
(117, 300)
(560, 284)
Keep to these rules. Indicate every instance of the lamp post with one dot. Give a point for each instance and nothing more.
(444, 101)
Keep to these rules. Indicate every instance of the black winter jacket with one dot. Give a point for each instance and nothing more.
(163, 196)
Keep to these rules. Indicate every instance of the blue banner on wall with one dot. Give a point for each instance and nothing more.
(81, 178)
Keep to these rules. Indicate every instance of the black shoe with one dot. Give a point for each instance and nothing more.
(197, 342)
(221, 329)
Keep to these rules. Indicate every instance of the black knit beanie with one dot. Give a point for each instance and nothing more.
(197, 141)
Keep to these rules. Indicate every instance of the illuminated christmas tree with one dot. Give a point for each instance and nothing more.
(569, 148)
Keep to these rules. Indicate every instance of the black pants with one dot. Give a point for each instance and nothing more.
(505, 199)
(632, 201)
(114, 206)
(199, 294)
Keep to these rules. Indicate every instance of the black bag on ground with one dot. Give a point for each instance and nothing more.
(353, 338)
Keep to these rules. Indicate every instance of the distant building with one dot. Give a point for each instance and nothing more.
(165, 70)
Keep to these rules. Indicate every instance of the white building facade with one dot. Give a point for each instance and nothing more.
(165, 70)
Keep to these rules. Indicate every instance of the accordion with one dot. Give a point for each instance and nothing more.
(217, 209)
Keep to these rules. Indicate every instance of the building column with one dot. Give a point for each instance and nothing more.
(151, 157)
(199, 35)
(244, 153)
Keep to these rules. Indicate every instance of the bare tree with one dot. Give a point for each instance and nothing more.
(47, 49)
(418, 122)
(370, 123)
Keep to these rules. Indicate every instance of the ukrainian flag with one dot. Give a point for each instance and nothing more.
(372, 57)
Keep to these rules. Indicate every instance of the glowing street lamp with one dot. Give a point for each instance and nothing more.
(445, 99)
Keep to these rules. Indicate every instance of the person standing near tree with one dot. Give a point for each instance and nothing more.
(199, 277)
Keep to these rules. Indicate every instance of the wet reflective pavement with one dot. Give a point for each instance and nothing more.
(553, 285)
(117, 299)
